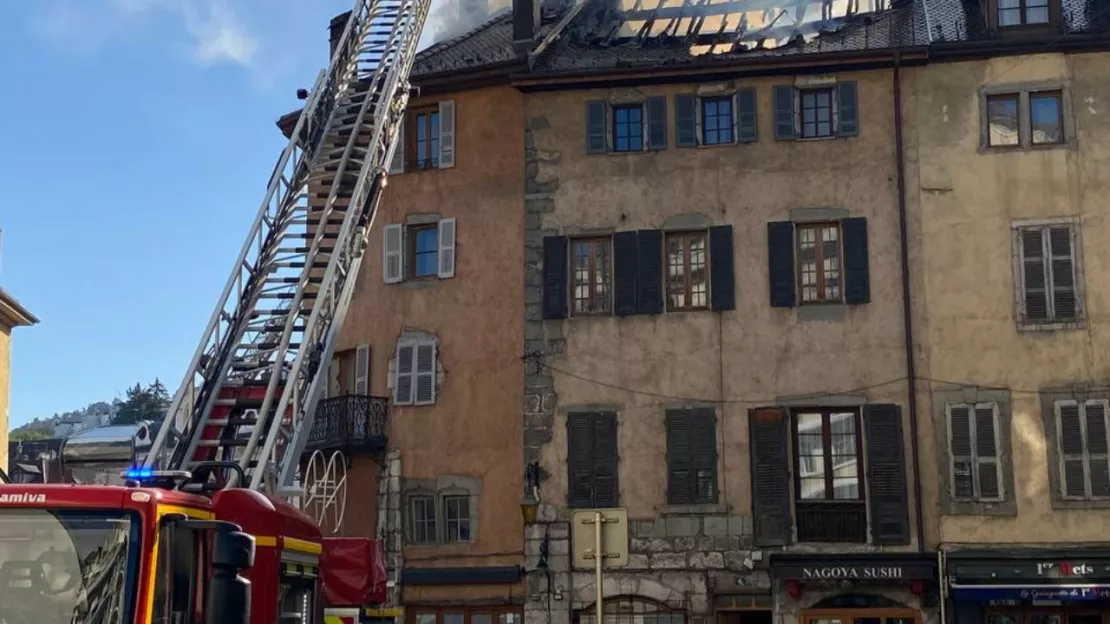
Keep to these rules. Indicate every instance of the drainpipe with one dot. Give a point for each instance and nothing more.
(907, 308)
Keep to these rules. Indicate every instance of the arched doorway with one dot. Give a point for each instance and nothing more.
(860, 609)
(631, 610)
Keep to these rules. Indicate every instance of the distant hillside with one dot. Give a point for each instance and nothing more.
(141, 404)
(43, 428)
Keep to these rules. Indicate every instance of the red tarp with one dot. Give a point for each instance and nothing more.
(353, 571)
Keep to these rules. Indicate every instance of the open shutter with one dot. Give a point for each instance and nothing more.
(680, 458)
(605, 460)
(780, 261)
(555, 277)
(362, 370)
(447, 134)
(425, 373)
(397, 164)
(1034, 274)
(656, 123)
(393, 252)
(1073, 477)
(747, 127)
(857, 278)
(770, 476)
(960, 457)
(649, 295)
(685, 120)
(1065, 305)
(403, 386)
(446, 248)
(784, 112)
(625, 250)
(886, 475)
(703, 442)
(580, 468)
(988, 461)
(847, 113)
(596, 140)
(722, 282)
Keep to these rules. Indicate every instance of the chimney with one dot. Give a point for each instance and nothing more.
(335, 31)
(526, 23)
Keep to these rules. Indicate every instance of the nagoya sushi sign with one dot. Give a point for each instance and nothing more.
(853, 572)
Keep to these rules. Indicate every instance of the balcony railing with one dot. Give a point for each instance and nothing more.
(831, 522)
(351, 423)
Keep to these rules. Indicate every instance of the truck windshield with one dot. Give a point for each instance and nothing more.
(67, 566)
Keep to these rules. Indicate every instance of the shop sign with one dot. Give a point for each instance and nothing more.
(994, 595)
(853, 572)
(1064, 569)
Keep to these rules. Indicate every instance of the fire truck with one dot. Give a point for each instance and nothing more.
(206, 528)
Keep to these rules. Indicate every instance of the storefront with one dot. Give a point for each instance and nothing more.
(855, 588)
(1029, 586)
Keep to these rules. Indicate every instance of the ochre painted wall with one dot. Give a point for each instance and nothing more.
(5, 391)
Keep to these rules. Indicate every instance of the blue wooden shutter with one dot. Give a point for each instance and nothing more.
(784, 112)
(886, 475)
(847, 109)
(685, 120)
(649, 295)
(722, 282)
(656, 123)
(747, 126)
(596, 124)
(770, 469)
(857, 280)
(780, 261)
(555, 277)
(625, 251)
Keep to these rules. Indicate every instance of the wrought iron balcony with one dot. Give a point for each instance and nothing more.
(831, 522)
(351, 423)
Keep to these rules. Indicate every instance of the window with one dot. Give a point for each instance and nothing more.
(427, 139)
(456, 514)
(691, 456)
(817, 113)
(1002, 114)
(1046, 110)
(420, 250)
(1048, 274)
(628, 128)
(1022, 12)
(592, 275)
(422, 520)
(687, 271)
(819, 262)
(974, 462)
(592, 459)
(1084, 449)
(1025, 118)
(631, 610)
(829, 495)
(424, 242)
(716, 121)
(423, 128)
(415, 372)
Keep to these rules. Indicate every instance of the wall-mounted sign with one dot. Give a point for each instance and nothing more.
(1064, 569)
(854, 572)
(872, 568)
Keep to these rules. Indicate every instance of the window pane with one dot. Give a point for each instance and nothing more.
(716, 121)
(453, 618)
(811, 456)
(699, 277)
(433, 140)
(628, 128)
(481, 618)
(426, 245)
(1002, 120)
(676, 272)
(1044, 111)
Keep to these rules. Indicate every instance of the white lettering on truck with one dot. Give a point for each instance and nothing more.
(22, 498)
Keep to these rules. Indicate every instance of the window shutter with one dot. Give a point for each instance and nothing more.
(447, 134)
(580, 442)
(446, 248)
(770, 476)
(987, 460)
(656, 123)
(425, 373)
(680, 458)
(1070, 433)
(605, 461)
(1064, 301)
(747, 127)
(959, 453)
(1098, 448)
(703, 441)
(596, 124)
(393, 252)
(625, 251)
(784, 112)
(649, 297)
(722, 281)
(857, 278)
(362, 370)
(1034, 275)
(397, 163)
(780, 260)
(685, 124)
(554, 277)
(847, 113)
(886, 478)
(403, 386)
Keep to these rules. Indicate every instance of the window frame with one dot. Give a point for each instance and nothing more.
(974, 459)
(826, 442)
(614, 109)
(410, 507)
(411, 140)
(415, 343)
(412, 232)
(1023, 92)
(692, 415)
(464, 499)
(1058, 94)
(995, 11)
(818, 226)
(1086, 455)
(700, 127)
(594, 416)
(799, 112)
(686, 236)
(1075, 229)
(593, 241)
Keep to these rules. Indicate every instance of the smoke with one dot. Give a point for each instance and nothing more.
(451, 18)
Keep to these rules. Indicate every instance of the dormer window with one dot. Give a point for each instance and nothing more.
(1017, 13)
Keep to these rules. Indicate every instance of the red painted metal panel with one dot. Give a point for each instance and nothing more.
(353, 571)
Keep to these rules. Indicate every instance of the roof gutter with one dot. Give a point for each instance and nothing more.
(960, 50)
(13, 313)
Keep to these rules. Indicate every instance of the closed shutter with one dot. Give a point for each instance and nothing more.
(592, 460)
(605, 461)
(404, 383)
(1034, 275)
(625, 251)
(987, 456)
(447, 235)
(770, 476)
(1064, 300)
(704, 443)
(783, 97)
(425, 373)
(847, 113)
(680, 458)
(555, 277)
(656, 123)
(649, 296)
(857, 278)
(596, 125)
(1098, 448)
(685, 120)
(722, 281)
(397, 163)
(886, 475)
(780, 263)
(747, 127)
(960, 457)
(447, 134)
(362, 370)
(1070, 431)
(393, 253)
(1084, 449)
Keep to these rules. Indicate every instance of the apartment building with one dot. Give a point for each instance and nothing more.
(12, 315)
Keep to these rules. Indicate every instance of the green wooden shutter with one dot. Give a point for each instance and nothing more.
(555, 277)
(722, 280)
(625, 261)
(747, 121)
(685, 120)
(596, 125)
(886, 475)
(784, 112)
(767, 433)
(847, 109)
(780, 263)
(656, 109)
(857, 278)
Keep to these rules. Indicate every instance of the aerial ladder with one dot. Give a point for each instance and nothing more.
(250, 391)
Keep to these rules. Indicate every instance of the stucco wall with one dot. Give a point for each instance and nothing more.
(476, 317)
(965, 277)
(5, 391)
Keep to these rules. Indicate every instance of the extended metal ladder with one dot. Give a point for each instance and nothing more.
(250, 392)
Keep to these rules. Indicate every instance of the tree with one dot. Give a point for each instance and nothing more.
(27, 434)
(141, 404)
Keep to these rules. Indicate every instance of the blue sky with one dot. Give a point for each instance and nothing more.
(139, 138)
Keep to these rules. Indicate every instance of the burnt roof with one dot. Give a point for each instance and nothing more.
(489, 44)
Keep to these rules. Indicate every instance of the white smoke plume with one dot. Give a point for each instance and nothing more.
(451, 18)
